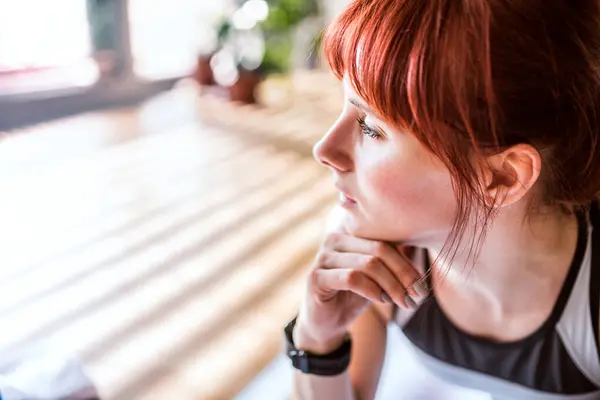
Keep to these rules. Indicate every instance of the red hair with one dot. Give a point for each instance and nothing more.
(468, 76)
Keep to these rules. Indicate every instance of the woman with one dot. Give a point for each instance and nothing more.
(469, 141)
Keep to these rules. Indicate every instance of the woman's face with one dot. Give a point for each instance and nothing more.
(391, 187)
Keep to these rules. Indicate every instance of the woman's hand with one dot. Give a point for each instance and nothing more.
(347, 274)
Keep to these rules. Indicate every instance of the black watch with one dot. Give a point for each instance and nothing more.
(330, 364)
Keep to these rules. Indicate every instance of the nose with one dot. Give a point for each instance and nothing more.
(334, 150)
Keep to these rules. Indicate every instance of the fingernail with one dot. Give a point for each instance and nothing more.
(386, 298)
(421, 288)
(410, 303)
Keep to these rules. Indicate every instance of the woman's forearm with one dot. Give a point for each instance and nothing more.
(313, 387)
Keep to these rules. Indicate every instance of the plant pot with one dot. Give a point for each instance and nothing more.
(244, 90)
(203, 74)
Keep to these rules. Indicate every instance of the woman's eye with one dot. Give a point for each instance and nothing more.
(367, 130)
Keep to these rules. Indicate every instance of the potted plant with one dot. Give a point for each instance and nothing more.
(275, 59)
(255, 41)
(288, 18)
(215, 40)
(203, 73)
(238, 63)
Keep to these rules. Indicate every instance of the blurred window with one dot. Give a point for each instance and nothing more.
(44, 45)
(166, 36)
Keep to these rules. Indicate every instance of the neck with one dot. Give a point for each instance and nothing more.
(521, 261)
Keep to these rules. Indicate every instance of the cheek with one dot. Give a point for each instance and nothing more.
(413, 190)
(401, 185)
(405, 174)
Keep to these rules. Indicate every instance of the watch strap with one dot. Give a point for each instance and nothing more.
(330, 364)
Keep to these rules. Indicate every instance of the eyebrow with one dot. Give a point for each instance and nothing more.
(361, 106)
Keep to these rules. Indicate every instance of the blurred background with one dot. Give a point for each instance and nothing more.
(159, 204)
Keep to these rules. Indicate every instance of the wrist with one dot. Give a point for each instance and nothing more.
(316, 357)
(303, 340)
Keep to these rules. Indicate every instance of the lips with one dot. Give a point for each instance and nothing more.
(343, 190)
(344, 198)
(346, 201)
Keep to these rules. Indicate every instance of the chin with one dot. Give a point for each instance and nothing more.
(355, 224)
(367, 230)
(341, 220)
(374, 231)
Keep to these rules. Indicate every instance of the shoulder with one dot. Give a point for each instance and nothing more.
(594, 290)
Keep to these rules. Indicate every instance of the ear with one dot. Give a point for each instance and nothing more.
(511, 174)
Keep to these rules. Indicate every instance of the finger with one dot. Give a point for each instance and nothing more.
(373, 268)
(346, 279)
(400, 266)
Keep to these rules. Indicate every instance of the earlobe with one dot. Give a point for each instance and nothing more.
(512, 174)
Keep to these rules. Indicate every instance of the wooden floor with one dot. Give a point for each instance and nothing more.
(164, 245)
